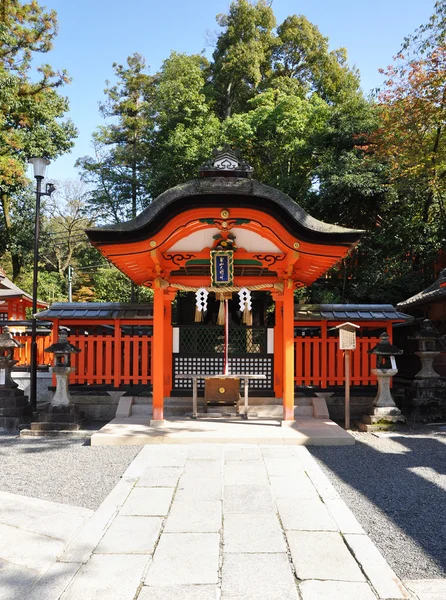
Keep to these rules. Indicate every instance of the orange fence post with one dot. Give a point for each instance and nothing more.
(288, 351)
(158, 352)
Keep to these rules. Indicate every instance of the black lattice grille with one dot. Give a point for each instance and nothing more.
(210, 340)
(213, 365)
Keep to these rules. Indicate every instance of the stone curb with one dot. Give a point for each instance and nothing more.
(376, 569)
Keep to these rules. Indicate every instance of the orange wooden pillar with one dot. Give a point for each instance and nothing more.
(158, 352)
(288, 351)
(278, 346)
(168, 346)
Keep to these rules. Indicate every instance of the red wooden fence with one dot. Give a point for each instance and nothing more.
(319, 362)
(113, 360)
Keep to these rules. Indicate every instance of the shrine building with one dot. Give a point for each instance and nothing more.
(223, 255)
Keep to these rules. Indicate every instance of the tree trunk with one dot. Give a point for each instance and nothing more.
(15, 259)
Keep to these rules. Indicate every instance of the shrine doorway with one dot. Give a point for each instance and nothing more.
(199, 346)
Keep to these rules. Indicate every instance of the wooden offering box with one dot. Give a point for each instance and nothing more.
(222, 392)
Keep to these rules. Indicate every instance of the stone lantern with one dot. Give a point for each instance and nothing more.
(14, 407)
(427, 391)
(62, 368)
(384, 411)
(427, 350)
(7, 346)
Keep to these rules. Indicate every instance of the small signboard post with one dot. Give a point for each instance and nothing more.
(347, 342)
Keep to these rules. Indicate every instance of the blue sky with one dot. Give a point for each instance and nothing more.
(93, 34)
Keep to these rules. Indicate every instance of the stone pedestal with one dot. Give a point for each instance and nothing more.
(15, 410)
(55, 419)
(61, 395)
(14, 407)
(428, 400)
(384, 413)
(427, 369)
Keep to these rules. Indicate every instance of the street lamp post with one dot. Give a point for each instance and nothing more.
(39, 167)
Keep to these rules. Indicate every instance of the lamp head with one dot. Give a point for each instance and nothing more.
(39, 166)
(50, 188)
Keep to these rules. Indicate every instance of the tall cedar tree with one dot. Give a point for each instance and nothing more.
(30, 106)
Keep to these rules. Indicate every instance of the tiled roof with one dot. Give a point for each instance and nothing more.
(97, 310)
(348, 312)
(433, 293)
(8, 289)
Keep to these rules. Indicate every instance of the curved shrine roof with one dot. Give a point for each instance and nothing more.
(227, 192)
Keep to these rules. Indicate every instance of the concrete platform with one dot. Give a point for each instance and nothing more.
(304, 431)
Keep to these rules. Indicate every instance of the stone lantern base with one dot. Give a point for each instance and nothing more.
(55, 419)
(14, 410)
(384, 414)
(428, 400)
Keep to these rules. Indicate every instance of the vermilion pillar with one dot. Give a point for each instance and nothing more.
(288, 351)
(158, 352)
(168, 299)
(278, 346)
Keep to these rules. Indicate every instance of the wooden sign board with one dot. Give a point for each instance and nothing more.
(347, 339)
(347, 336)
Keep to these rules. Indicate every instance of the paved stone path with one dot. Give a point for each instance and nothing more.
(211, 522)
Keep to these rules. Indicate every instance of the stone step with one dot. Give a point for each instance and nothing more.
(142, 400)
(55, 426)
(11, 392)
(382, 419)
(12, 424)
(19, 411)
(303, 401)
(13, 401)
(57, 418)
(303, 411)
(141, 409)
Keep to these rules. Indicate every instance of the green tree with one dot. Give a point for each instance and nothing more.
(187, 130)
(31, 109)
(242, 56)
(119, 173)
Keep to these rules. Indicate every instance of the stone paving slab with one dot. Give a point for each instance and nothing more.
(248, 472)
(197, 517)
(160, 477)
(381, 576)
(180, 592)
(130, 535)
(248, 499)
(335, 590)
(298, 487)
(253, 533)
(15, 580)
(43, 517)
(305, 516)
(82, 545)
(27, 549)
(322, 555)
(427, 589)
(150, 502)
(257, 576)
(108, 577)
(200, 468)
(53, 583)
(184, 559)
(284, 466)
(192, 488)
(243, 453)
(345, 519)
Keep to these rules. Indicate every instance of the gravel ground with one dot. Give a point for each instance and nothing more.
(69, 471)
(395, 485)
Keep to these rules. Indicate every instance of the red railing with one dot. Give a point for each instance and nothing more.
(319, 362)
(114, 360)
(23, 355)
